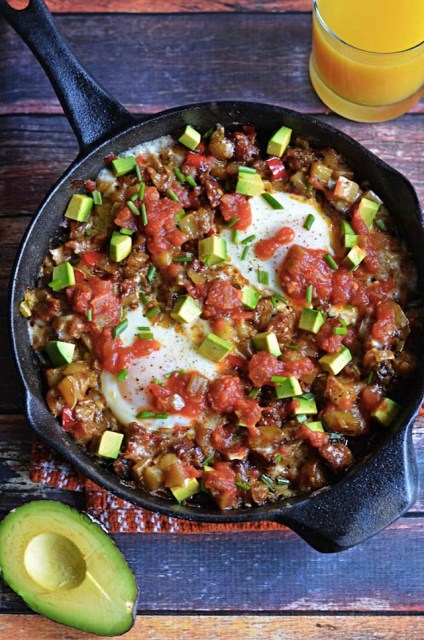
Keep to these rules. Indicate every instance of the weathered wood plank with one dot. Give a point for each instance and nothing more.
(218, 627)
(169, 6)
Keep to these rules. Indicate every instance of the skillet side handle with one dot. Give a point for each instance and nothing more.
(353, 511)
(92, 113)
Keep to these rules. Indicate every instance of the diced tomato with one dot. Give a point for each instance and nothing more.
(126, 219)
(220, 481)
(225, 394)
(222, 298)
(315, 438)
(90, 185)
(369, 243)
(114, 356)
(91, 258)
(277, 168)
(297, 367)
(370, 398)
(384, 329)
(68, 418)
(235, 205)
(182, 394)
(302, 267)
(197, 161)
(98, 296)
(265, 249)
(160, 230)
(326, 339)
(358, 223)
(262, 366)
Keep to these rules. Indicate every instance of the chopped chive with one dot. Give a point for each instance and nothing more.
(233, 221)
(191, 181)
(254, 393)
(126, 232)
(309, 292)
(152, 313)
(272, 201)
(331, 262)
(89, 315)
(244, 253)
(143, 328)
(183, 259)
(309, 187)
(268, 482)
(120, 328)
(283, 482)
(131, 206)
(277, 458)
(97, 197)
(242, 485)
(381, 225)
(121, 312)
(142, 297)
(208, 460)
(87, 232)
(152, 414)
(370, 377)
(134, 197)
(342, 322)
(157, 381)
(141, 190)
(248, 239)
(276, 298)
(340, 331)
(143, 214)
(151, 273)
(293, 347)
(236, 236)
(301, 418)
(179, 174)
(310, 219)
(207, 133)
(263, 277)
(278, 378)
(244, 169)
(122, 375)
(137, 171)
(168, 375)
(172, 195)
(145, 335)
(179, 215)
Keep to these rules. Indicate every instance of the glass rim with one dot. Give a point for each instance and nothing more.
(352, 46)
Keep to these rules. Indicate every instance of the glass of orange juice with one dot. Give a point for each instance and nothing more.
(367, 60)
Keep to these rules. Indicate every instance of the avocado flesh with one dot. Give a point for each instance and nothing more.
(67, 568)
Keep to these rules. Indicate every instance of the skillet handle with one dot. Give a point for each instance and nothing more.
(92, 113)
(382, 490)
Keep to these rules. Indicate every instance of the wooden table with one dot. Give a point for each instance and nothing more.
(153, 55)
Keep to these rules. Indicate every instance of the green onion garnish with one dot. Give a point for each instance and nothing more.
(236, 236)
(152, 313)
(278, 378)
(283, 482)
(370, 377)
(120, 328)
(121, 311)
(126, 232)
(142, 190)
(89, 315)
(268, 482)
(208, 460)
(183, 259)
(293, 347)
(143, 214)
(152, 414)
(310, 219)
(277, 458)
(134, 197)
(272, 201)
(172, 195)
(122, 375)
(157, 381)
(254, 393)
(248, 239)
(168, 375)
(309, 291)
(97, 197)
(242, 485)
(207, 133)
(244, 253)
(137, 171)
(178, 216)
(263, 277)
(179, 174)
(381, 225)
(340, 331)
(276, 298)
(331, 262)
(131, 206)
(233, 221)
(244, 169)
(142, 297)
(191, 181)
(151, 273)
(342, 322)
(145, 335)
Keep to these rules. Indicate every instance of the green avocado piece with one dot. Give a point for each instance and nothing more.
(315, 426)
(386, 411)
(123, 165)
(354, 258)
(120, 246)
(190, 138)
(63, 276)
(186, 309)
(350, 240)
(367, 209)
(267, 342)
(311, 320)
(67, 568)
(288, 388)
(79, 207)
(334, 363)
(279, 142)
(249, 184)
(110, 444)
(60, 353)
(212, 250)
(250, 296)
(183, 491)
(303, 406)
(215, 348)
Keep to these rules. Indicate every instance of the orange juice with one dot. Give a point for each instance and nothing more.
(367, 60)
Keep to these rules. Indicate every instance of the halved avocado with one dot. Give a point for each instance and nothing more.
(67, 568)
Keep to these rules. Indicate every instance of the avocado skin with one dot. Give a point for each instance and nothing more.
(71, 607)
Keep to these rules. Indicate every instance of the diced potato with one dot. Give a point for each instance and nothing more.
(152, 477)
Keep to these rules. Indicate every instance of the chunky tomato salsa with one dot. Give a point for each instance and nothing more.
(224, 320)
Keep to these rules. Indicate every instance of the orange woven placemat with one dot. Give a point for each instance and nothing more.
(115, 514)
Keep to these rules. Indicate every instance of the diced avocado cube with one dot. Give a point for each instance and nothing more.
(110, 444)
(250, 296)
(123, 165)
(315, 426)
(334, 363)
(215, 348)
(250, 184)
(79, 207)
(120, 246)
(347, 228)
(367, 209)
(386, 411)
(212, 250)
(267, 342)
(60, 353)
(279, 142)
(288, 388)
(311, 320)
(354, 257)
(302, 406)
(186, 309)
(190, 138)
(350, 240)
(183, 491)
(63, 276)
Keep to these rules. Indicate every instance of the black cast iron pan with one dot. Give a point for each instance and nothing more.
(383, 485)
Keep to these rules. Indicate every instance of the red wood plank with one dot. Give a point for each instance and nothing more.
(169, 6)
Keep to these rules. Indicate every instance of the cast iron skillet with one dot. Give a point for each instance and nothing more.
(383, 485)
